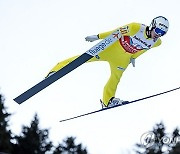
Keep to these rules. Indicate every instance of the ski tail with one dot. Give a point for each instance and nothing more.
(46, 82)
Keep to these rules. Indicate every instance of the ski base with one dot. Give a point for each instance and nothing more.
(123, 103)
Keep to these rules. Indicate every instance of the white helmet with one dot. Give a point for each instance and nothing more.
(160, 25)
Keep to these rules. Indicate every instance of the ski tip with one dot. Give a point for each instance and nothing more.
(18, 101)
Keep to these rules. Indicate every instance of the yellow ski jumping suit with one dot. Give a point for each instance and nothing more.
(132, 44)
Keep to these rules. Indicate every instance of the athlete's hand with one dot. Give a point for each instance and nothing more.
(91, 38)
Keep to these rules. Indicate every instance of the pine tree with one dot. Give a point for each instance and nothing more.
(5, 133)
(175, 145)
(158, 141)
(153, 143)
(33, 140)
(68, 146)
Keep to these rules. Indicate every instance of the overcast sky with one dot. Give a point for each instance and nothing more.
(37, 34)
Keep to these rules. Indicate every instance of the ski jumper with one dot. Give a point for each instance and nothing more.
(131, 45)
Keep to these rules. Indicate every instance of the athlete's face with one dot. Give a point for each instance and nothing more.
(154, 35)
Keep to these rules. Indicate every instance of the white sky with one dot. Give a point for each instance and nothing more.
(37, 34)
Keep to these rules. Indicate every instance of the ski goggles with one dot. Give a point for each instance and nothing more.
(159, 31)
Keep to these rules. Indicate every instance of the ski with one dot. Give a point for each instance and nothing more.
(92, 52)
(103, 109)
(123, 103)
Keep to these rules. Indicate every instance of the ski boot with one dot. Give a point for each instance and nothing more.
(113, 102)
(49, 74)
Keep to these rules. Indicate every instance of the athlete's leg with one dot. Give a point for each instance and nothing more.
(62, 64)
(67, 61)
(111, 85)
(119, 60)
